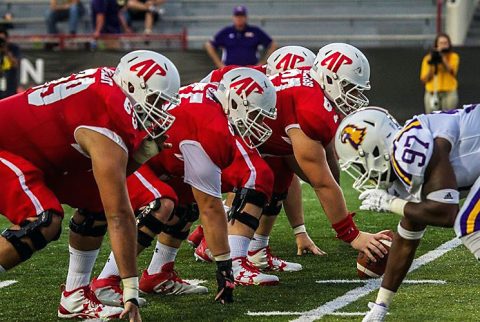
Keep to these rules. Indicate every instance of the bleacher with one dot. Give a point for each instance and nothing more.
(305, 22)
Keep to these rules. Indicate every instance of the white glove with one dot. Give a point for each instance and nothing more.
(377, 313)
(376, 200)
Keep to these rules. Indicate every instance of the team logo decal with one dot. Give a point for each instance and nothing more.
(147, 69)
(354, 135)
(335, 61)
(289, 61)
(249, 85)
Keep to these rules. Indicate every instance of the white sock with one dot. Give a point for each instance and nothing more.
(110, 268)
(162, 255)
(238, 245)
(80, 268)
(2, 270)
(258, 242)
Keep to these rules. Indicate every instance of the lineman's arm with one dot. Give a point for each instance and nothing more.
(312, 159)
(439, 176)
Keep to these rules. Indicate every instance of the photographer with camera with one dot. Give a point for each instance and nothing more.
(439, 74)
(9, 65)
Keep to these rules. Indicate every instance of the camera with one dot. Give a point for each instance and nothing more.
(435, 57)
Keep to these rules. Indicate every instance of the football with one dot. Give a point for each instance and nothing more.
(368, 269)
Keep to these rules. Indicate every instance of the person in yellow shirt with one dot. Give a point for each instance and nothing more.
(439, 74)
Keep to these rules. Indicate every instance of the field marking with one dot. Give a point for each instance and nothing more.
(365, 281)
(278, 313)
(7, 283)
(359, 292)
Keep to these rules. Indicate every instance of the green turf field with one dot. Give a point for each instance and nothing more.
(36, 294)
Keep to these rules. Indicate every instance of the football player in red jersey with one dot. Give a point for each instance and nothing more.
(70, 141)
(204, 146)
(301, 141)
(282, 59)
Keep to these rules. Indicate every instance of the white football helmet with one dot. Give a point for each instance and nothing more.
(289, 57)
(343, 72)
(150, 80)
(247, 97)
(363, 142)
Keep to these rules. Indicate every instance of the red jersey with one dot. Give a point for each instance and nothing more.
(200, 120)
(216, 75)
(39, 124)
(302, 104)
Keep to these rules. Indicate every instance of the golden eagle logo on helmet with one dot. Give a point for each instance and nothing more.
(354, 135)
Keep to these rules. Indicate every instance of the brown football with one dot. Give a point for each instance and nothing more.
(368, 269)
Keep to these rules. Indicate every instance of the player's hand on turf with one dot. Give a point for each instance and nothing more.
(226, 285)
(376, 200)
(306, 245)
(370, 244)
(377, 313)
(131, 311)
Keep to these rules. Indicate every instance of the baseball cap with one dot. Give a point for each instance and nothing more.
(240, 11)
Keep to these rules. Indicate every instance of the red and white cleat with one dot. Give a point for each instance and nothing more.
(247, 274)
(196, 237)
(264, 260)
(81, 303)
(108, 291)
(202, 253)
(168, 282)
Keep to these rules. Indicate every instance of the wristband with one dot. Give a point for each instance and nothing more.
(299, 229)
(130, 289)
(346, 229)
(397, 206)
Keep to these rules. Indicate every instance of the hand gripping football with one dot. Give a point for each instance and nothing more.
(368, 269)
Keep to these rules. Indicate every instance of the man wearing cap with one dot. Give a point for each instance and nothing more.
(239, 42)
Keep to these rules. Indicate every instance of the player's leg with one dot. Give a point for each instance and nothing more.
(32, 208)
(154, 202)
(160, 276)
(87, 229)
(259, 251)
(467, 223)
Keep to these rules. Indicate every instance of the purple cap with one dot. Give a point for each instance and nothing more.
(240, 11)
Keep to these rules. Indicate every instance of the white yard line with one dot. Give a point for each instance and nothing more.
(365, 281)
(195, 282)
(359, 292)
(369, 286)
(7, 283)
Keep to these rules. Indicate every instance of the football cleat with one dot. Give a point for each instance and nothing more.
(168, 282)
(196, 237)
(377, 313)
(81, 303)
(202, 253)
(264, 260)
(108, 291)
(247, 274)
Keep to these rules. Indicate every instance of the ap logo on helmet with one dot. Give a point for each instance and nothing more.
(147, 69)
(249, 85)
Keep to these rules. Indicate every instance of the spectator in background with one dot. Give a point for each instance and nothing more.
(439, 74)
(107, 17)
(9, 65)
(239, 42)
(148, 11)
(62, 10)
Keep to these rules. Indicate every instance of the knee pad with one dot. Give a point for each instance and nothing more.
(32, 231)
(186, 215)
(145, 218)
(86, 227)
(272, 209)
(242, 197)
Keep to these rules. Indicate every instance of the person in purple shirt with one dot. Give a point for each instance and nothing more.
(239, 42)
(106, 17)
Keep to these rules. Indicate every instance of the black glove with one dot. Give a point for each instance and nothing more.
(225, 281)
